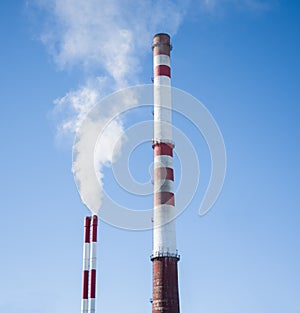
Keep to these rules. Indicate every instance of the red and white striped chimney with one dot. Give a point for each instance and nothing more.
(165, 298)
(93, 264)
(88, 302)
(86, 265)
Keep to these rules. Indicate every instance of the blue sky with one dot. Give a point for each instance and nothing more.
(241, 59)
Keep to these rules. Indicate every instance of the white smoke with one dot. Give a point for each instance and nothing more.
(79, 103)
(105, 151)
(105, 127)
(108, 36)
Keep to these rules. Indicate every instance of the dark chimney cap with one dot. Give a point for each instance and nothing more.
(161, 34)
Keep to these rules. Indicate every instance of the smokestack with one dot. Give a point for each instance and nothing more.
(165, 297)
(86, 265)
(93, 261)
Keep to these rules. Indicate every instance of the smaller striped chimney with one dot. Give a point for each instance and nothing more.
(88, 302)
(86, 265)
(93, 263)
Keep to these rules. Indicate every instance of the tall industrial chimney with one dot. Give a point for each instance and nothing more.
(165, 297)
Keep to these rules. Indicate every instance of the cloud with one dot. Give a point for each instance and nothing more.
(214, 6)
(111, 35)
(260, 5)
(107, 34)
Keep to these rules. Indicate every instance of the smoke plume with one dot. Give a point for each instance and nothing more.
(108, 36)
